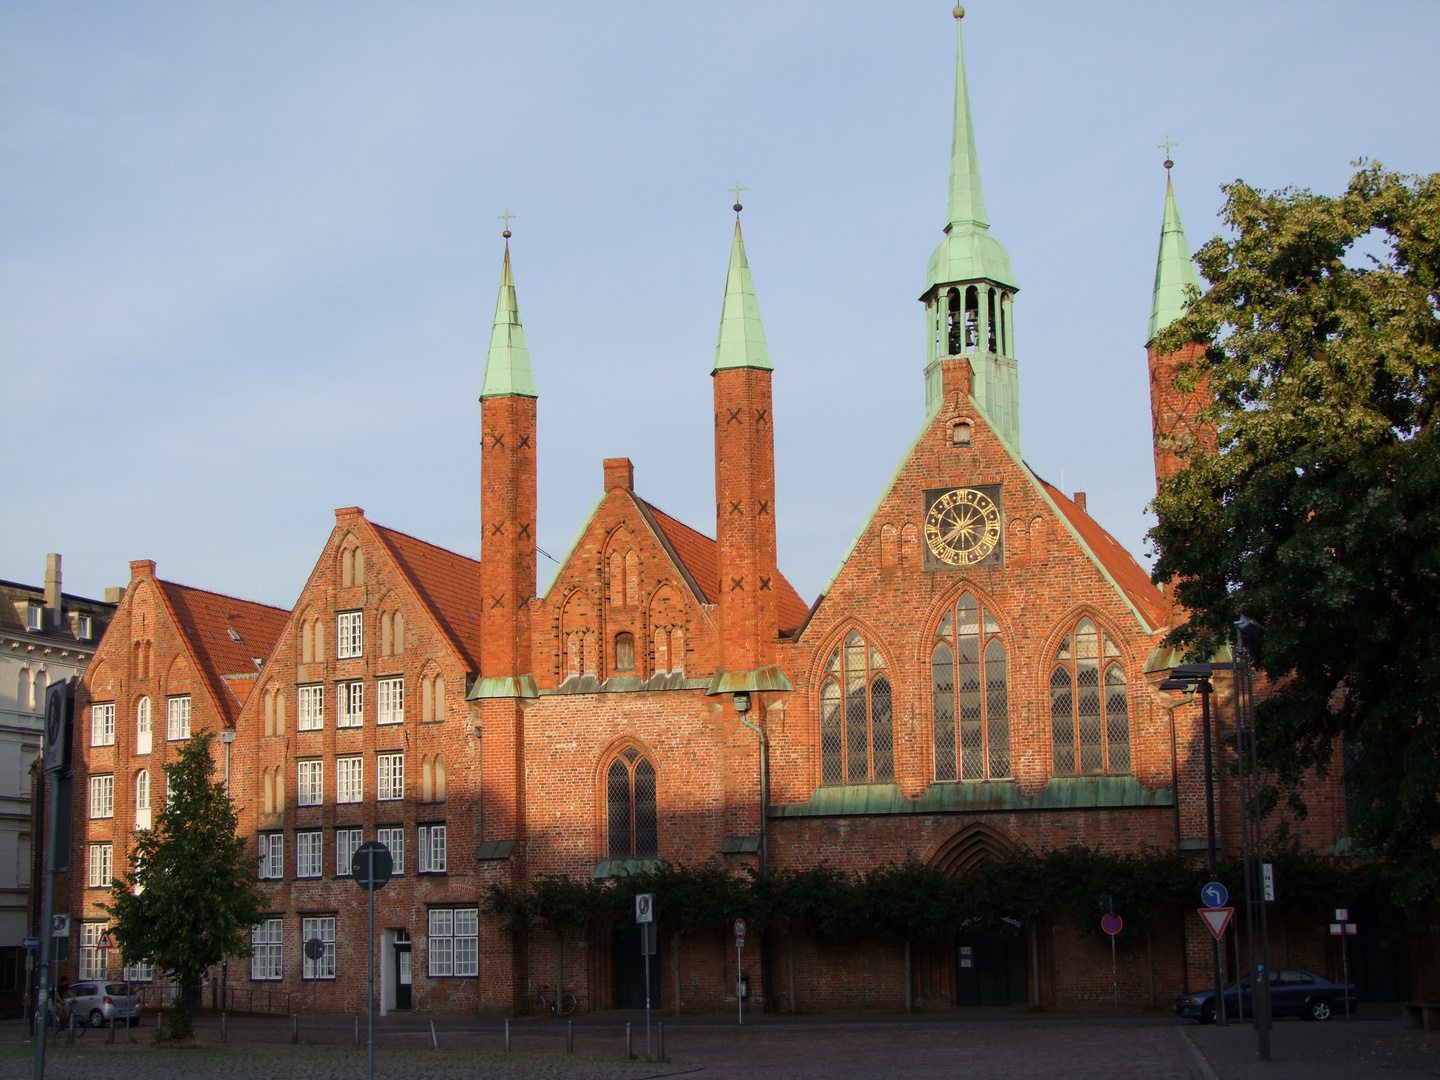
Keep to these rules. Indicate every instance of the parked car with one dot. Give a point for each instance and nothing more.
(94, 1003)
(1293, 992)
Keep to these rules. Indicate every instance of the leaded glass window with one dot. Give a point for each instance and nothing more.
(857, 717)
(1089, 704)
(632, 825)
(969, 694)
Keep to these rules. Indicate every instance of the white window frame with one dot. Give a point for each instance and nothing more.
(350, 780)
(310, 711)
(102, 796)
(272, 856)
(309, 853)
(101, 868)
(453, 943)
(142, 799)
(177, 718)
(142, 971)
(310, 783)
(350, 705)
(143, 726)
(393, 837)
(84, 627)
(323, 927)
(267, 956)
(390, 701)
(347, 842)
(34, 618)
(92, 957)
(389, 777)
(430, 850)
(102, 724)
(350, 634)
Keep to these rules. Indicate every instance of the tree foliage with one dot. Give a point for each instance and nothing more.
(1318, 514)
(190, 897)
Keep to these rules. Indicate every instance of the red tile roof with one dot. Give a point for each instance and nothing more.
(700, 555)
(1134, 582)
(448, 584)
(206, 619)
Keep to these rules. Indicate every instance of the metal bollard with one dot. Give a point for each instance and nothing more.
(357, 1031)
(434, 1042)
(507, 1033)
(569, 1036)
(224, 1034)
(661, 1046)
(112, 1026)
(295, 1028)
(629, 1053)
(71, 1026)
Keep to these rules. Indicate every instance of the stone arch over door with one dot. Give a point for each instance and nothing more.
(963, 852)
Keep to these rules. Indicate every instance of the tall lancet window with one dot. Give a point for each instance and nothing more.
(1089, 705)
(857, 724)
(970, 697)
(632, 826)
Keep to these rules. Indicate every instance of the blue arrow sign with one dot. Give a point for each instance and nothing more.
(1214, 894)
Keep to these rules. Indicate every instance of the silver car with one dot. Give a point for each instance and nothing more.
(94, 1003)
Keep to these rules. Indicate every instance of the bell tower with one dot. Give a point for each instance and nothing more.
(969, 287)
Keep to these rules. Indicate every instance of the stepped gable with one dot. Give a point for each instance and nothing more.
(206, 619)
(700, 558)
(447, 583)
(1128, 574)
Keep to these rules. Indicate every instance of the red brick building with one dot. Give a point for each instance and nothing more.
(979, 675)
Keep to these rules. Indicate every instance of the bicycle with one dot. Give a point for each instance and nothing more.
(566, 1003)
(57, 1022)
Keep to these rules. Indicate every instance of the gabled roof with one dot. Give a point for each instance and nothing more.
(205, 620)
(701, 560)
(448, 584)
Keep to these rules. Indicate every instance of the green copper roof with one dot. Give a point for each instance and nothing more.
(507, 367)
(1174, 269)
(742, 338)
(968, 251)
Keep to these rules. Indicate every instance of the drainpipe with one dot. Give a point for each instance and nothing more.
(742, 706)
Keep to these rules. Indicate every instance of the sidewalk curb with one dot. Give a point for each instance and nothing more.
(1198, 1062)
(677, 1072)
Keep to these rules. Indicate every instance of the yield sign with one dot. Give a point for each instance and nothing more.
(1217, 919)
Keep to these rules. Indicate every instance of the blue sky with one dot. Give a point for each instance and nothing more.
(251, 252)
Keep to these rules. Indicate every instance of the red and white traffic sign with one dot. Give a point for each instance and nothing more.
(1342, 929)
(105, 942)
(1217, 919)
(1112, 924)
(739, 933)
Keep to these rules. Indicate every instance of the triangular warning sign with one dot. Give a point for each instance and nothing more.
(1217, 919)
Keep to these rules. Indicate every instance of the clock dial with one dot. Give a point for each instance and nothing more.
(962, 527)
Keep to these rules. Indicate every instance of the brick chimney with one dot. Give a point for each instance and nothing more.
(1080, 501)
(619, 473)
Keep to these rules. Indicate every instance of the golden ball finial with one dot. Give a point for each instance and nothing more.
(959, 12)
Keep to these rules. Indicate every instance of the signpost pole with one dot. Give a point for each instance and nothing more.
(740, 982)
(1205, 690)
(645, 959)
(54, 757)
(370, 972)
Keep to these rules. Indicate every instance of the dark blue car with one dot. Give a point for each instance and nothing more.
(1293, 992)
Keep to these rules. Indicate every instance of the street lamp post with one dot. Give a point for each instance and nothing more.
(1252, 839)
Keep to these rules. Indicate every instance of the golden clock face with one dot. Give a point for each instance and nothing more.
(962, 527)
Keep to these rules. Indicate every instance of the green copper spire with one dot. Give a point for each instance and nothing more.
(967, 252)
(507, 367)
(1174, 269)
(742, 338)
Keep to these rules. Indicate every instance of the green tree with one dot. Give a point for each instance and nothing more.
(190, 897)
(1318, 515)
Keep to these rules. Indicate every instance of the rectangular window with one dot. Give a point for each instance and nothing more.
(140, 972)
(101, 868)
(350, 700)
(177, 718)
(272, 856)
(390, 777)
(309, 847)
(351, 634)
(350, 780)
(102, 724)
(430, 845)
(102, 796)
(312, 708)
(322, 927)
(83, 627)
(390, 701)
(267, 944)
(453, 948)
(310, 788)
(347, 842)
(92, 957)
(35, 617)
(394, 839)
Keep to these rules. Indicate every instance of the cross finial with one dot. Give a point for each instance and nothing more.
(736, 192)
(1167, 146)
(505, 217)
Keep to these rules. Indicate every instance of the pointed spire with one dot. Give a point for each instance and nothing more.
(967, 202)
(1174, 269)
(742, 338)
(507, 367)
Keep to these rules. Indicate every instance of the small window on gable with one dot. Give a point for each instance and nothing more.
(625, 652)
(961, 433)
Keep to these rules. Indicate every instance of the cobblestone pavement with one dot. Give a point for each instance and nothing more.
(978, 1045)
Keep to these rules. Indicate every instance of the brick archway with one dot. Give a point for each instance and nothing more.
(968, 848)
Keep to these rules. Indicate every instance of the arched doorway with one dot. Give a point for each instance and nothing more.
(989, 964)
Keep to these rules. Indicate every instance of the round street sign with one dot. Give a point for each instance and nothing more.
(739, 931)
(314, 949)
(1214, 894)
(361, 864)
(1112, 924)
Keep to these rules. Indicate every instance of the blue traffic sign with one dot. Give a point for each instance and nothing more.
(1214, 894)
(30, 943)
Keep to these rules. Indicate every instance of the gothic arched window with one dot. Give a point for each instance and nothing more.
(857, 725)
(632, 825)
(1089, 712)
(970, 695)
